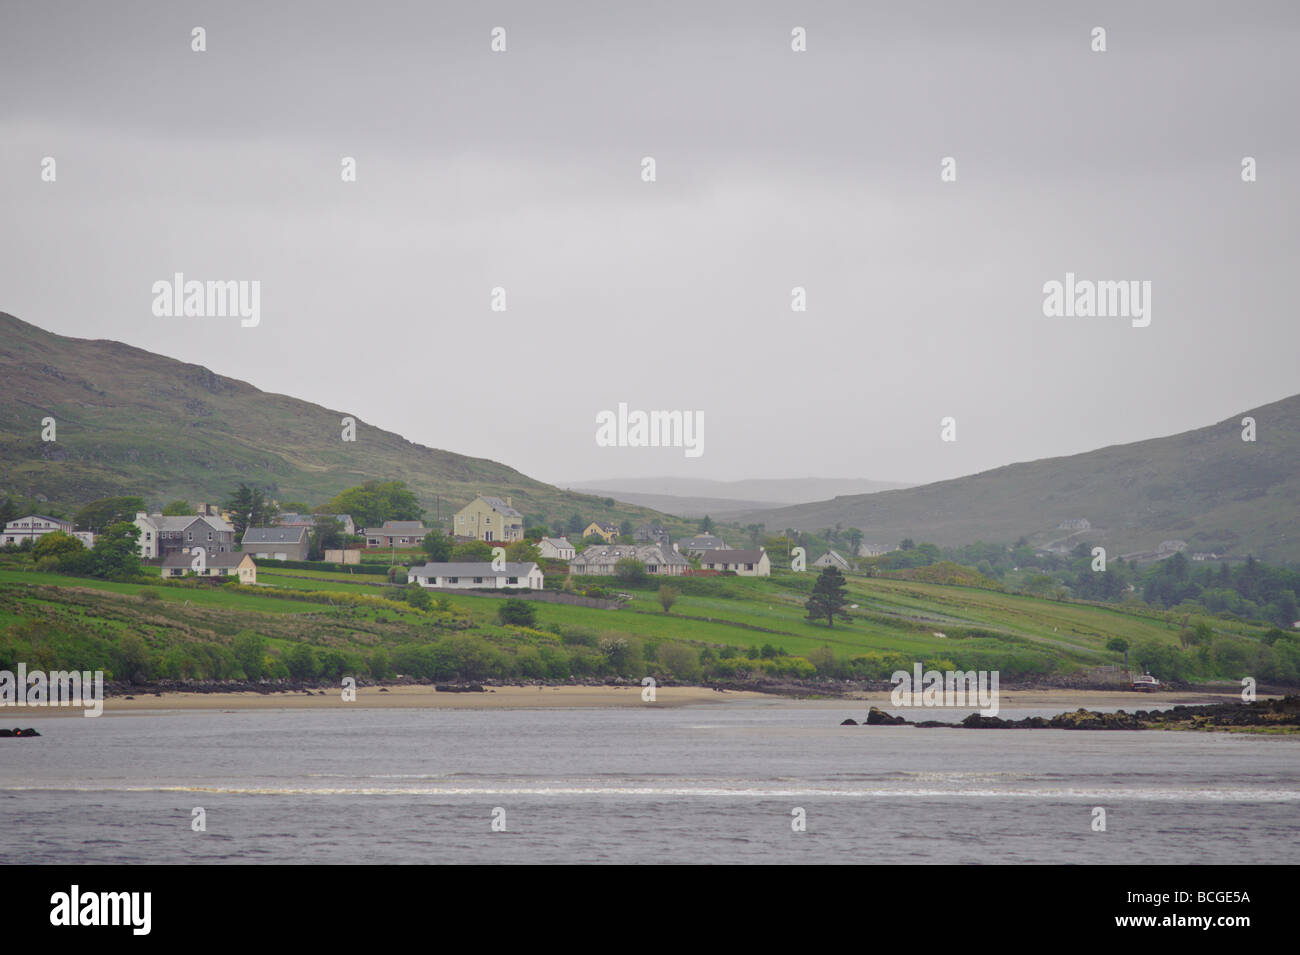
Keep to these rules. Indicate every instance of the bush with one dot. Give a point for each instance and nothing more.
(301, 661)
(516, 612)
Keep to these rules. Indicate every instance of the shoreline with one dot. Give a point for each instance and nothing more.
(549, 697)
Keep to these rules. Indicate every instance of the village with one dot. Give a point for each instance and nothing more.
(485, 547)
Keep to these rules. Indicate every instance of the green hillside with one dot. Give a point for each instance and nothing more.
(744, 630)
(1207, 487)
(132, 422)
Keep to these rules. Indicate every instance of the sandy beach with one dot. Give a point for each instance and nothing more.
(532, 697)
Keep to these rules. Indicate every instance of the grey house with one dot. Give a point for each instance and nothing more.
(277, 543)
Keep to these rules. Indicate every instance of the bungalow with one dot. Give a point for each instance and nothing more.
(601, 559)
(277, 543)
(489, 519)
(607, 532)
(396, 534)
(746, 563)
(478, 574)
(556, 548)
(160, 536)
(696, 546)
(222, 564)
(831, 559)
(35, 526)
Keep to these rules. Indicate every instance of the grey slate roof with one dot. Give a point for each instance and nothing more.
(731, 557)
(501, 507)
(222, 559)
(481, 568)
(275, 535)
(602, 554)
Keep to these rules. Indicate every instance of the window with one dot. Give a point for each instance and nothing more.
(478, 580)
(453, 580)
(512, 580)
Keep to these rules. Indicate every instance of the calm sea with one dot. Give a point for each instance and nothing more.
(698, 784)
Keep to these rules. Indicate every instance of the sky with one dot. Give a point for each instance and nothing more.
(774, 169)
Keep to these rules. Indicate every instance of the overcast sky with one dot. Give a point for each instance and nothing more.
(775, 169)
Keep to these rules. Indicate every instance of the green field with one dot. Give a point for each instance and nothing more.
(721, 628)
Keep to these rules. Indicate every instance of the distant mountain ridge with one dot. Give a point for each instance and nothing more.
(133, 422)
(695, 497)
(1207, 487)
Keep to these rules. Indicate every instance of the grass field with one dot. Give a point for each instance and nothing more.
(890, 621)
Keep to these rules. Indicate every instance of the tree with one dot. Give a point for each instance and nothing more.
(1117, 645)
(250, 650)
(517, 613)
(829, 597)
(438, 546)
(417, 597)
(326, 534)
(295, 507)
(523, 552)
(906, 544)
(249, 507)
(706, 525)
(57, 545)
(97, 515)
(574, 524)
(755, 532)
(178, 508)
(855, 540)
(668, 596)
(115, 554)
(301, 661)
(535, 533)
(472, 551)
(374, 502)
(629, 570)
(626, 529)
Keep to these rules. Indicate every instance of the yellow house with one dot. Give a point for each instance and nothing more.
(607, 532)
(489, 519)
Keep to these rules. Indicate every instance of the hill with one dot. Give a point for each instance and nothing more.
(1206, 487)
(133, 422)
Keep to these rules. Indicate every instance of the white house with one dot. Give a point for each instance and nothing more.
(831, 559)
(556, 548)
(746, 563)
(35, 526)
(222, 564)
(478, 574)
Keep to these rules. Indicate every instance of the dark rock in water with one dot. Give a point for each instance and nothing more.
(19, 732)
(453, 688)
(849, 723)
(383, 689)
(878, 717)
(130, 697)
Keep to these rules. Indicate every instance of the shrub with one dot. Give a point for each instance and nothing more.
(517, 612)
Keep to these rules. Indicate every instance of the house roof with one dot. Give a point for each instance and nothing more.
(179, 523)
(220, 559)
(646, 553)
(398, 528)
(731, 556)
(39, 517)
(500, 506)
(558, 541)
(275, 535)
(482, 568)
(705, 541)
